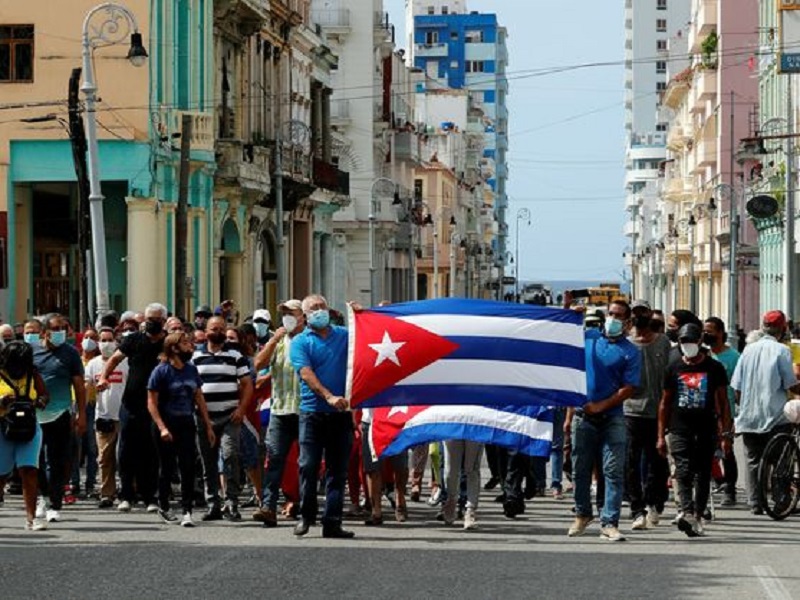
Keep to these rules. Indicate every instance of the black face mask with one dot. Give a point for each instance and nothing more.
(233, 346)
(185, 356)
(641, 322)
(709, 340)
(672, 334)
(216, 338)
(153, 327)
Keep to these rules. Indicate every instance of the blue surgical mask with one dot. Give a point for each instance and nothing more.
(32, 338)
(57, 338)
(262, 329)
(319, 319)
(614, 327)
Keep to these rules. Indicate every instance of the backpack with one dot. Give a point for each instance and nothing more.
(19, 423)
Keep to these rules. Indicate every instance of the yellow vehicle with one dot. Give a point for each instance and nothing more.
(605, 294)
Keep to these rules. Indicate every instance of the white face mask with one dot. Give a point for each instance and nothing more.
(289, 323)
(108, 348)
(88, 345)
(690, 350)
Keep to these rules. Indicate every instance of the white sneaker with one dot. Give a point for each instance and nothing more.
(187, 520)
(470, 522)
(611, 534)
(699, 527)
(41, 508)
(124, 506)
(678, 517)
(639, 523)
(435, 497)
(53, 516)
(653, 518)
(36, 525)
(152, 508)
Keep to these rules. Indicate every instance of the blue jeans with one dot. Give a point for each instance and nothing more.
(331, 433)
(282, 431)
(557, 448)
(605, 434)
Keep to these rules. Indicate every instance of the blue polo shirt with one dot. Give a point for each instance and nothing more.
(610, 366)
(327, 357)
(57, 366)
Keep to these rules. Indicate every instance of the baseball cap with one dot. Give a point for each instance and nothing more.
(774, 318)
(262, 314)
(641, 304)
(291, 305)
(203, 309)
(691, 332)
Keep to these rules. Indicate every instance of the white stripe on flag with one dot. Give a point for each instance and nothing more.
(493, 372)
(500, 327)
(486, 416)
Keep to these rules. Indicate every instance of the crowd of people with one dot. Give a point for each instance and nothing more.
(149, 409)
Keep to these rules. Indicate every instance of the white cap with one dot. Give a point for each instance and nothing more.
(263, 315)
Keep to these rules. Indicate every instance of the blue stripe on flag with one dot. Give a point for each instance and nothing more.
(481, 308)
(509, 350)
(489, 394)
(423, 434)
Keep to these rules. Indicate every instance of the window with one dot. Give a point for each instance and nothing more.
(661, 4)
(661, 126)
(16, 53)
(661, 25)
(453, 35)
(431, 10)
(661, 66)
(661, 86)
(444, 9)
(473, 37)
(431, 37)
(661, 45)
(474, 66)
(453, 64)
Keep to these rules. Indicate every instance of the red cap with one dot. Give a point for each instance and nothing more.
(774, 318)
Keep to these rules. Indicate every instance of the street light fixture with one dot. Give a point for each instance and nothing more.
(118, 22)
(523, 214)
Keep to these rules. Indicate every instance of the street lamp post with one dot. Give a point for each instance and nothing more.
(380, 184)
(105, 33)
(712, 209)
(692, 223)
(523, 214)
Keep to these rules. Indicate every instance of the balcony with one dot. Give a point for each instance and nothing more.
(632, 228)
(243, 165)
(438, 50)
(676, 136)
(704, 21)
(705, 85)
(334, 21)
(331, 178)
(707, 152)
(406, 146)
(202, 139)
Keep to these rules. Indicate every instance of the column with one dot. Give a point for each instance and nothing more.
(144, 245)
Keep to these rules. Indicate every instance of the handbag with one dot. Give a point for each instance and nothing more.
(19, 423)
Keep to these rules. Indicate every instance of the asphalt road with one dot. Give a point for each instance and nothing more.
(97, 554)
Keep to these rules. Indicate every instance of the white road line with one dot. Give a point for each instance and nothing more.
(772, 584)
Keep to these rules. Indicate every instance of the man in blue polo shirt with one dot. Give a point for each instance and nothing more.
(319, 355)
(613, 367)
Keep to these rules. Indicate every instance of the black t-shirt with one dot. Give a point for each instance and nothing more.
(695, 387)
(142, 355)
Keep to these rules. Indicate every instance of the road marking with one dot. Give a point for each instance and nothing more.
(772, 584)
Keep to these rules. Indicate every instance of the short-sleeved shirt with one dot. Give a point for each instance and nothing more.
(109, 400)
(762, 377)
(143, 356)
(285, 380)
(729, 359)
(176, 388)
(57, 366)
(655, 359)
(694, 388)
(327, 357)
(610, 365)
(220, 373)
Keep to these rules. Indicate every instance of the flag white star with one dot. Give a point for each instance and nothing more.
(397, 409)
(387, 350)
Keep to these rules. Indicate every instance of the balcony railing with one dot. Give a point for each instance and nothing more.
(334, 18)
(202, 138)
(244, 165)
(331, 178)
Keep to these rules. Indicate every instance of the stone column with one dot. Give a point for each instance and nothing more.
(144, 251)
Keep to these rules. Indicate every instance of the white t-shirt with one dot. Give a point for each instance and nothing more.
(110, 400)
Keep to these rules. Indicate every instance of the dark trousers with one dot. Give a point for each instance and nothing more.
(693, 453)
(644, 458)
(731, 468)
(496, 459)
(55, 454)
(518, 467)
(138, 459)
(181, 452)
(283, 431)
(754, 444)
(330, 434)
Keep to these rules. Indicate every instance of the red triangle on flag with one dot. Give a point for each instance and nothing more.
(387, 423)
(386, 350)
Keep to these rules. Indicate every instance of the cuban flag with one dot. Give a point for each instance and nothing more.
(466, 352)
(527, 429)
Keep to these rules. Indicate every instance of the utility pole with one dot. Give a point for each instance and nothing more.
(733, 283)
(789, 270)
(279, 241)
(77, 138)
(181, 217)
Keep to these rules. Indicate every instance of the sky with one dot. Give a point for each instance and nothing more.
(567, 138)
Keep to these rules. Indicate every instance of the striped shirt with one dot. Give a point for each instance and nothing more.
(285, 381)
(220, 373)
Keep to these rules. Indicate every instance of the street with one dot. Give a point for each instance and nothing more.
(105, 554)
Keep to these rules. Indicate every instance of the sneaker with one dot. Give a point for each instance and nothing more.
(214, 513)
(687, 525)
(677, 518)
(167, 516)
(579, 526)
(53, 516)
(653, 518)
(36, 525)
(756, 510)
(152, 508)
(124, 506)
(436, 497)
(105, 503)
(69, 495)
(558, 494)
(231, 513)
(611, 533)
(470, 522)
(187, 521)
(639, 523)
(41, 508)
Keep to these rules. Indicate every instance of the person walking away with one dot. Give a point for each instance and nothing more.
(466, 455)
(85, 447)
(694, 412)
(174, 391)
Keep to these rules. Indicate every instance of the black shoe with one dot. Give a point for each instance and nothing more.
(336, 531)
(302, 527)
(529, 493)
(500, 497)
(513, 508)
(213, 514)
(756, 510)
(105, 503)
(491, 484)
(231, 513)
